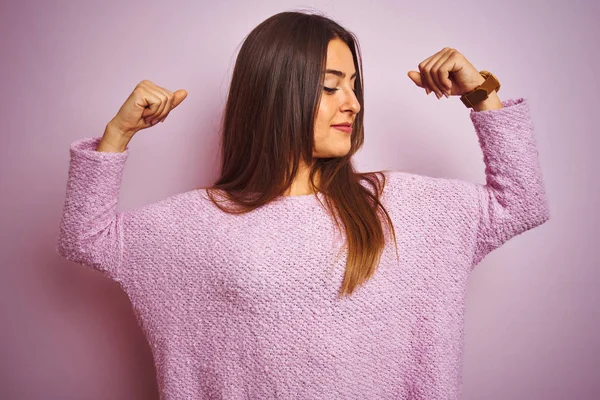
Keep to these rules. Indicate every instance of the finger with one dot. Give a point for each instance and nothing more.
(426, 76)
(161, 108)
(168, 106)
(151, 103)
(426, 83)
(440, 72)
(146, 98)
(431, 75)
(175, 100)
(426, 73)
(180, 95)
(416, 78)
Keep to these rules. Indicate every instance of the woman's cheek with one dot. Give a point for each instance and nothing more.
(325, 113)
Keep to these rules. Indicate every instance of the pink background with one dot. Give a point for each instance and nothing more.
(532, 329)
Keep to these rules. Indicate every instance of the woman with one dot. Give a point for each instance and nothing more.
(280, 281)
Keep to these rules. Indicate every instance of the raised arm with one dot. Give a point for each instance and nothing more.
(91, 229)
(513, 199)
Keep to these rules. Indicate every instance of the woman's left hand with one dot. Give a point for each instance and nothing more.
(447, 72)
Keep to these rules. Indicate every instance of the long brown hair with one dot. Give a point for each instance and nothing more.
(268, 127)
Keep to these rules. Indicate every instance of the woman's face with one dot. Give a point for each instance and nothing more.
(338, 105)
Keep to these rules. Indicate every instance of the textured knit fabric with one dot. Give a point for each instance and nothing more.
(247, 306)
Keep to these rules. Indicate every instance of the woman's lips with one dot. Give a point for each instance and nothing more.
(343, 128)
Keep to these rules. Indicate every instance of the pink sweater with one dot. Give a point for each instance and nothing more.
(246, 307)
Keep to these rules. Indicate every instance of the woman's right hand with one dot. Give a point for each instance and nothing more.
(145, 106)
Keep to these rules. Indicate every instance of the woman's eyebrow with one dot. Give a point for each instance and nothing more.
(338, 73)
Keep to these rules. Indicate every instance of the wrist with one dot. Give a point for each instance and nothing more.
(113, 139)
(491, 103)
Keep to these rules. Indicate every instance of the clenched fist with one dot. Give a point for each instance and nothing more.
(448, 73)
(146, 105)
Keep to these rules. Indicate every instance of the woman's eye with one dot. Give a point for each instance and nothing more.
(332, 90)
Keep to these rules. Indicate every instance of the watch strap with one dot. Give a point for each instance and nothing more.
(481, 92)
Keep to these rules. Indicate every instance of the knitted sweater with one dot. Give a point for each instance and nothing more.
(247, 306)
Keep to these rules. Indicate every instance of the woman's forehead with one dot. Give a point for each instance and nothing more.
(339, 59)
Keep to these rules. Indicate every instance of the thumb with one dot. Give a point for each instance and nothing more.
(180, 95)
(416, 78)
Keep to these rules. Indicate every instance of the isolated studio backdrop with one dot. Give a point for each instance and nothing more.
(532, 307)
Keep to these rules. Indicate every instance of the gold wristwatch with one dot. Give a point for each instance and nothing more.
(481, 92)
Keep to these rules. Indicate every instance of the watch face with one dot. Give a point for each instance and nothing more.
(478, 95)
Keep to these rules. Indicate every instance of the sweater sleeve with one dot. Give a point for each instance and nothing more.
(91, 229)
(513, 200)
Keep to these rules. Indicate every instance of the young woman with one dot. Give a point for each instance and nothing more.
(295, 276)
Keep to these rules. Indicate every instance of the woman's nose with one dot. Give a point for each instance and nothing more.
(351, 103)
